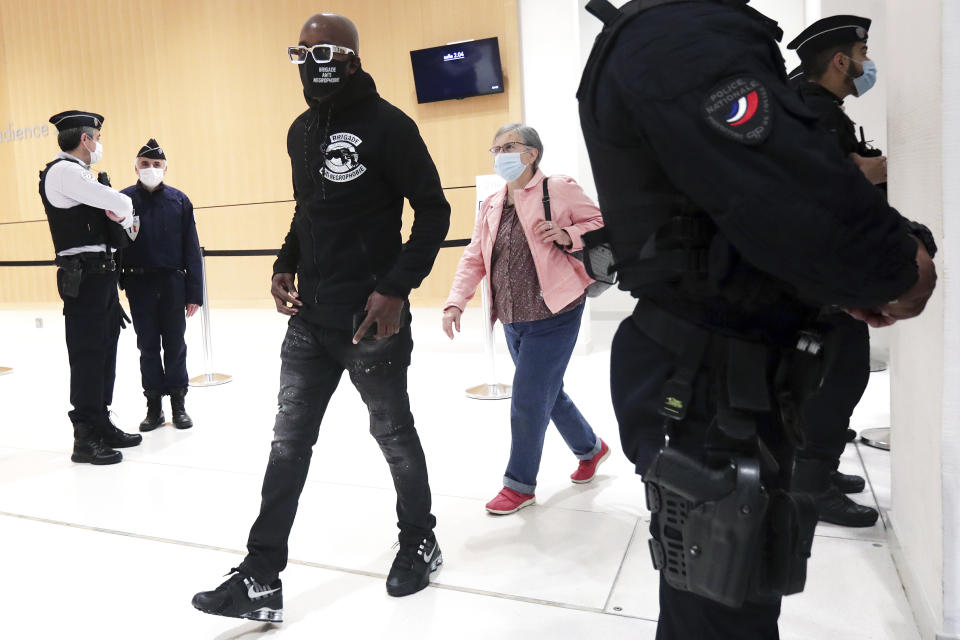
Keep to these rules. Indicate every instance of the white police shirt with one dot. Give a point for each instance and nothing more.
(69, 184)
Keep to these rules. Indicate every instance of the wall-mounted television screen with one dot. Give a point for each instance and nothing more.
(458, 70)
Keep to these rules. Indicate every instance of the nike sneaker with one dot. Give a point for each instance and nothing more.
(243, 597)
(411, 569)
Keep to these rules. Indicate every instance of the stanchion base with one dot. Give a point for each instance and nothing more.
(490, 391)
(878, 438)
(5, 370)
(877, 365)
(210, 379)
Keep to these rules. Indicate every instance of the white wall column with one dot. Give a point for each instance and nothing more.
(924, 125)
(950, 267)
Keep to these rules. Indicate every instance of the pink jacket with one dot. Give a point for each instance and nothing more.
(562, 277)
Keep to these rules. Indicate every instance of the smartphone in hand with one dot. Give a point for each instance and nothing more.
(358, 319)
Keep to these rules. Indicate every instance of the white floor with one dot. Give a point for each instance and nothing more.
(117, 552)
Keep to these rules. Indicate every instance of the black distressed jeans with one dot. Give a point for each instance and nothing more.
(312, 362)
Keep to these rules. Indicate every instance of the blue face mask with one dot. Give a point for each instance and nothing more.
(509, 166)
(865, 81)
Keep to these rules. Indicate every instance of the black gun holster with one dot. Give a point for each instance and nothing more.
(72, 269)
(723, 528)
(718, 533)
(69, 276)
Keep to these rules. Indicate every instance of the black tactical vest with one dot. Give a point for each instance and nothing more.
(667, 249)
(76, 226)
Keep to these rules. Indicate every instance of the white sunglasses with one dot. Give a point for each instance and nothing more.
(321, 53)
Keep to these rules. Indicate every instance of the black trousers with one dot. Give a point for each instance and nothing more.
(639, 370)
(92, 321)
(312, 362)
(826, 414)
(157, 303)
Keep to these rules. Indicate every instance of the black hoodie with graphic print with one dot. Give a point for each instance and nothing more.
(354, 161)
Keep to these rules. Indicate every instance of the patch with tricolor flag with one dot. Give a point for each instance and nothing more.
(740, 110)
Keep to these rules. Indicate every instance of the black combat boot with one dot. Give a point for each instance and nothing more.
(847, 483)
(180, 418)
(417, 558)
(88, 446)
(114, 437)
(812, 476)
(155, 416)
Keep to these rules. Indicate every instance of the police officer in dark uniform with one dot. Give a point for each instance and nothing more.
(733, 221)
(162, 275)
(835, 65)
(87, 221)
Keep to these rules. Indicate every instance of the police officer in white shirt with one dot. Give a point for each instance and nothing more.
(89, 221)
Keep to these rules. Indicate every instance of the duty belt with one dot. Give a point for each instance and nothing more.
(139, 271)
(88, 262)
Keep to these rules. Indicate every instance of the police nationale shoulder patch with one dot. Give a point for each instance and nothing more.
(740, 110)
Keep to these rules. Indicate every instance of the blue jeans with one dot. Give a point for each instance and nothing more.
(541, 351)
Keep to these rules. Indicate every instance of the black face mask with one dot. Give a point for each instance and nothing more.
(322, 80)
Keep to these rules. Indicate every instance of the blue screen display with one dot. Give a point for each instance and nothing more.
(458, 70)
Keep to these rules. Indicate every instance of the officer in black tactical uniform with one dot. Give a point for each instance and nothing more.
(733, 221)
(834, 65)
(87, 221)
(162, 275)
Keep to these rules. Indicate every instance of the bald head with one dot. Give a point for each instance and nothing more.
(330, 28)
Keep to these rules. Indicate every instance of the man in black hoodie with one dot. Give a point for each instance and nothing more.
(355, 157)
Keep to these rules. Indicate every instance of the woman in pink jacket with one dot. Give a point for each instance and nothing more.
(538, 293)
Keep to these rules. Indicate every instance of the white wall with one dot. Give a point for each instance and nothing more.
(917, 362)
(950, 265)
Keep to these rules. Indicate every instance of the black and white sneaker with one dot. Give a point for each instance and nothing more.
(412, 567)
(243, 597)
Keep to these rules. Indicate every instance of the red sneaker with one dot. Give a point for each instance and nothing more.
(588, 468)
(509, 501)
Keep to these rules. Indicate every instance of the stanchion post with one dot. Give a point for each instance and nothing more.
(878, 438)
(491, 389)
(208, 378)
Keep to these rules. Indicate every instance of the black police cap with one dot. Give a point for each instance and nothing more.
(73, 119)
(151, 150)
(830, 32)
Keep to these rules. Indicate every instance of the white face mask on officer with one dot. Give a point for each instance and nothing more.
(97, 154)
(151, 176)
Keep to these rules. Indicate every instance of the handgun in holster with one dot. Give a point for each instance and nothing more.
(69, 276)
(720, 530)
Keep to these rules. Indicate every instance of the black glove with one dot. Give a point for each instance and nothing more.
(925, 236)
(124, 319)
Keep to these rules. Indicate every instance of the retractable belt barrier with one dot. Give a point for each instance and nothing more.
(490, 390)
(208, 378)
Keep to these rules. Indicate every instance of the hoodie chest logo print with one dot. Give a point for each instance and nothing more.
(342, 162)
